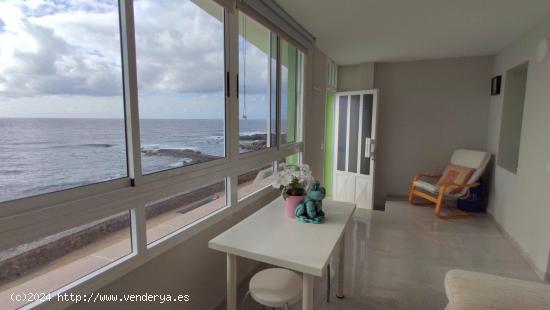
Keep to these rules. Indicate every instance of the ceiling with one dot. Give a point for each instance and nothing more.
(355, 31)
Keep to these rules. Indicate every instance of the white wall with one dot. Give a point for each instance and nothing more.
(356, 77)
(427, 109)
(520, 202)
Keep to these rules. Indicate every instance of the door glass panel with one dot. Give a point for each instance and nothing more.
(342, 133)
(366, 131)
(353, 133)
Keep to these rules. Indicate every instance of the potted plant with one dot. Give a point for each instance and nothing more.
(292, 181)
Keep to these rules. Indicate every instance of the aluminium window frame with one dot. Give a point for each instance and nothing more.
(54, 212)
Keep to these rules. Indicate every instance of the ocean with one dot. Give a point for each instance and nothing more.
(46, 155)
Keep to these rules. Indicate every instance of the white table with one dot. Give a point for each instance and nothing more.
(269, 236)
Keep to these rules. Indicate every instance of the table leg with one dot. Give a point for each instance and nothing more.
(307, 291)
(231, 282)
(341, 263)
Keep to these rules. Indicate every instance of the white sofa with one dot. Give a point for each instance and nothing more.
(467, 290)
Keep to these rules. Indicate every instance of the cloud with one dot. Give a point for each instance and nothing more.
(65, 50)
(40, 56)
(180, 47)
(73, 47)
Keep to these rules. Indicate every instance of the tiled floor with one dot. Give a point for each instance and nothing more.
(397, 259)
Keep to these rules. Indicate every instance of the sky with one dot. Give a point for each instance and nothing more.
(62, 58)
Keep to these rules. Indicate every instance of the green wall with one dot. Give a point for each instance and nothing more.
(329, 142)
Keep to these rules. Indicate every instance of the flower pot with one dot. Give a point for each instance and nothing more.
(290, 205)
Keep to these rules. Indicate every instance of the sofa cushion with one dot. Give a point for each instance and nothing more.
(467, 290)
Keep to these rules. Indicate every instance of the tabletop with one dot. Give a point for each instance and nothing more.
(269, 236)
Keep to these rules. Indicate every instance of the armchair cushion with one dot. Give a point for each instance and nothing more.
(455, 174)
(476, 160)
(426, 186)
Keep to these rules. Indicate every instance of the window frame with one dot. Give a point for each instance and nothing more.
(53, 212)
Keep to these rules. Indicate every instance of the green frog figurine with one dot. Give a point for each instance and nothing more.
(310, 210)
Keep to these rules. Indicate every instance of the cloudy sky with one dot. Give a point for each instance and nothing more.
(61, 58)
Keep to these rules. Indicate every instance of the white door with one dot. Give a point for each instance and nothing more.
(354, 149)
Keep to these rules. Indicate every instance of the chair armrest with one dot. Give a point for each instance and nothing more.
(427, 175)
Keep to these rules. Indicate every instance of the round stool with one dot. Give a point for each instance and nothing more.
(275, 287)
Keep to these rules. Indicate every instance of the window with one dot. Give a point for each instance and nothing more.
(512, 117)
(47, 264)
(256, 105)
(171, 214)
(61, 101)
(71, 114)
(291, 92)
(255, 180)
(181, 82)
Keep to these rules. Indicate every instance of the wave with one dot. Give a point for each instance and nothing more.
(100, 145)
(181, 163)
(252, 133)
(152, 148)
(11, 172)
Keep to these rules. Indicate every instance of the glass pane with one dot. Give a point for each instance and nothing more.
(293, 159)
(353, 133)
(255, 180)
(254, 85)
(291, 91)
(167, 215)
(366, 131)
(273, 89)
(50, 263)
(180, 64)
(342, 133)
(61, 101)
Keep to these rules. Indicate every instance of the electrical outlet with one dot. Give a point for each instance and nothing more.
(322, 147)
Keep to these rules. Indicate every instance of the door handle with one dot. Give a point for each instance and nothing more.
(369, 148)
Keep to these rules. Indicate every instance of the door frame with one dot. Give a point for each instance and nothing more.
(374, 130)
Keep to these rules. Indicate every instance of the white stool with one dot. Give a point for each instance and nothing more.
(275, 287)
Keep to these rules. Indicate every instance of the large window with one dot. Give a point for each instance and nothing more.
(291, 92)
(100, 94)
(181, 70)
(256, 105)
(61, 102)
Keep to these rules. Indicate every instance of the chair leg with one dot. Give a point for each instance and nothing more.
(411, 194)
(439, 203)
(328, 283)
